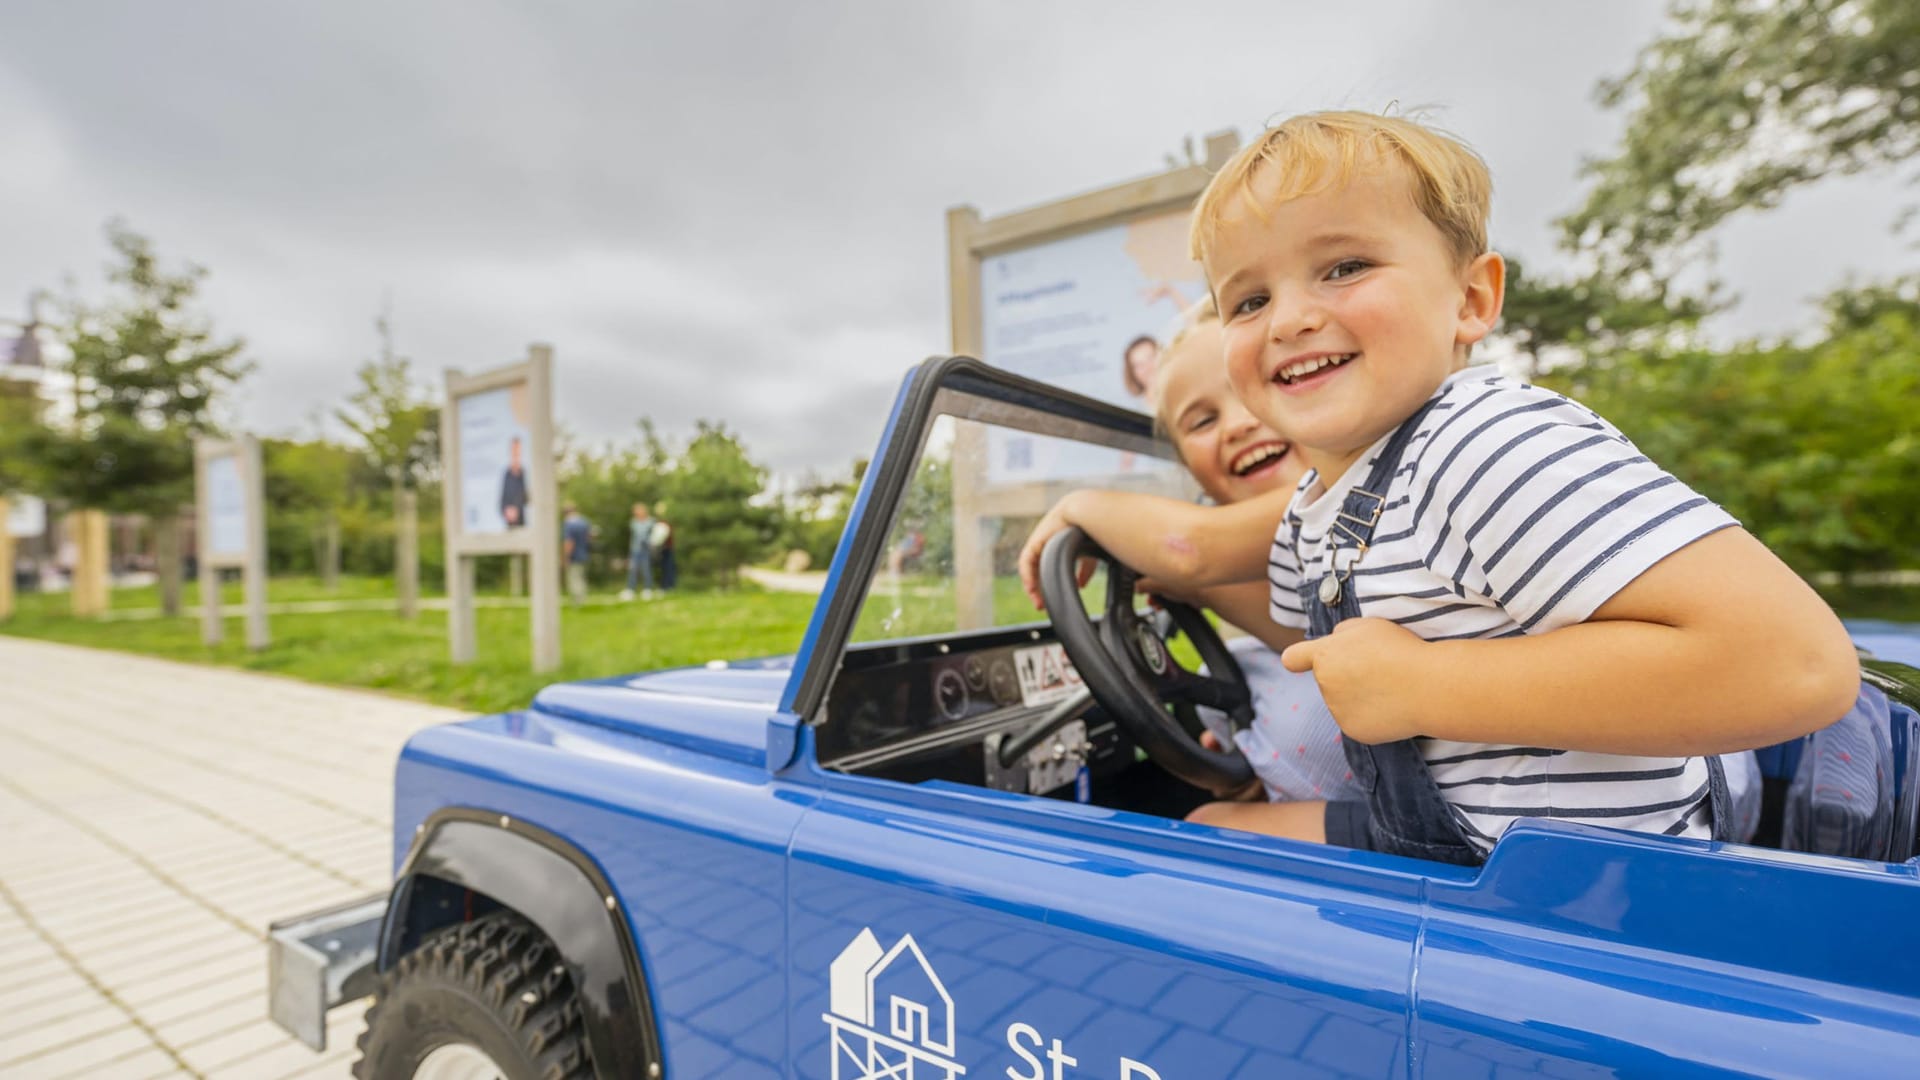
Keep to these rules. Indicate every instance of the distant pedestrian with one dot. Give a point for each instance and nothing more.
(662, 543)
(577, 540)
(639, 553)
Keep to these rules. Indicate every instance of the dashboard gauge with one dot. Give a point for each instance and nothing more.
(976, 674)
(950, 694)
(1005, 684)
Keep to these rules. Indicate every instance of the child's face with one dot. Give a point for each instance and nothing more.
(1344, 311)
(1230, 452)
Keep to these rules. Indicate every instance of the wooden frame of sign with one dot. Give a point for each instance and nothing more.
(213, 525)
(970, 239)
(536, 536)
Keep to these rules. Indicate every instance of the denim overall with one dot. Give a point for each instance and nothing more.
(1406, 813)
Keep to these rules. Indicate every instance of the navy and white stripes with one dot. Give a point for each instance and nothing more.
(1516, 511)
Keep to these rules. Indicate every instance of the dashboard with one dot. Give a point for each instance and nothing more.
(935, 708)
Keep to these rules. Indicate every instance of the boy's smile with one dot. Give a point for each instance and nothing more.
(1344, 311)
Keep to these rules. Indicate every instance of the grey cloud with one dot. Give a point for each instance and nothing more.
(732, 211)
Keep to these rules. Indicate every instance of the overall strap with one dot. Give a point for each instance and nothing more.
(1406, 814)
(1351, 534)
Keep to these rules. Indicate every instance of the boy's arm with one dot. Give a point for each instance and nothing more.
(1715, 648)
(1185, 545)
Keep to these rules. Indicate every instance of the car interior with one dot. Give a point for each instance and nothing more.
(947, 675)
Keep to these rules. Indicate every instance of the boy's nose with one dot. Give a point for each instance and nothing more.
(1292, 314)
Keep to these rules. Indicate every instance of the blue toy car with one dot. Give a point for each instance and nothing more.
(923, 847)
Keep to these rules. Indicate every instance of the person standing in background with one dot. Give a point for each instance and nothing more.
(639, 553)
(577, 545)
(661, 540)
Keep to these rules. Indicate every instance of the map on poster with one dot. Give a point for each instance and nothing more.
(494, 450)
(226, 508)
(1090, 314)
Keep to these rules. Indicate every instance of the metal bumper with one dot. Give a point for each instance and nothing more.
(319, 960)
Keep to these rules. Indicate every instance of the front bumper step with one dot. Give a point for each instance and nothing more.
(320, 960)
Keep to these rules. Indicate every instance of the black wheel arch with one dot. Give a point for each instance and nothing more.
(465, 861)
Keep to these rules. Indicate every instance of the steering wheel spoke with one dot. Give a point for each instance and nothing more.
(1127, 667)
(1225, 695)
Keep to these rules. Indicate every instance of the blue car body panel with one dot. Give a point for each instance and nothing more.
(795, 921)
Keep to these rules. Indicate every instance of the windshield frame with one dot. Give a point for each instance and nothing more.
(930, 391)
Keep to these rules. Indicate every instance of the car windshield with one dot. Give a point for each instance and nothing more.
(986, 472)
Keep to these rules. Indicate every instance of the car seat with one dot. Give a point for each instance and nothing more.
(1851, 788)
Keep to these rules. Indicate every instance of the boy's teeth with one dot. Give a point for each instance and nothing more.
(1308, 367)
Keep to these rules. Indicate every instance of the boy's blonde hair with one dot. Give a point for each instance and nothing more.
(1314, 152)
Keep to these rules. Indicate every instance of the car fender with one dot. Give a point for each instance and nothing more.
(558, 889)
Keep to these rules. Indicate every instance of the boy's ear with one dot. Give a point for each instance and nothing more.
(1485, 284)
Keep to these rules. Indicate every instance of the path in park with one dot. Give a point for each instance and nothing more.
(156, 817)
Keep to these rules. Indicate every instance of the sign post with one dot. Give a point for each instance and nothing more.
(230, 505)
(1082, 293)
(496, 438)
(25, 518)
(6, 560)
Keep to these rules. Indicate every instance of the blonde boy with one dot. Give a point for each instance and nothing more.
(1518, 615)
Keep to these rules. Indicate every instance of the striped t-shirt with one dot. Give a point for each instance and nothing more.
(1514, 511)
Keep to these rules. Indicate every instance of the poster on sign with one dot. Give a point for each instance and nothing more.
(226, 508)
(1089, 313)
(1083, 293)
(495, 447)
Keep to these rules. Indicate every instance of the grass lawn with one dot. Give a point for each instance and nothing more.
(378, 650)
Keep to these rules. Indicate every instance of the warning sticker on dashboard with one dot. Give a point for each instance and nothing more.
(1046, 675)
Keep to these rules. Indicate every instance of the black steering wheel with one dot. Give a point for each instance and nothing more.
(1126, 665)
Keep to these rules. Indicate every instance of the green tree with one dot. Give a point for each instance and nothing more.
(711, 502)
(1816, 448)
(400, 430)
(812, 518)
(605, 485)
(309, 484)
(147, 372)
(1741, 102)
(1549, 319)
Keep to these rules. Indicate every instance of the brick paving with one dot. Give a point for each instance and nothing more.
(154, 818)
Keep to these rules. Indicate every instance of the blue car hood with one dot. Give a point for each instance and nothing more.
(721, 709)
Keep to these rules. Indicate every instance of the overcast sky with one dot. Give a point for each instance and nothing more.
(736, 211)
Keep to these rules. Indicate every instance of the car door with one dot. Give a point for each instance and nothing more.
(941, 931)
(1585, 952)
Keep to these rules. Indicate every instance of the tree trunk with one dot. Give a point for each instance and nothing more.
(330, 552)
(166, 561)
(406, 551)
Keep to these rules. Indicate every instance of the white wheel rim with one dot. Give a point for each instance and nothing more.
(458, 1061)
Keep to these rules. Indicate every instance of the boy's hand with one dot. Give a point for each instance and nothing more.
(1366, 671)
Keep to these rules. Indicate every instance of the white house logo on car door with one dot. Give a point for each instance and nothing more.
(891, 1017)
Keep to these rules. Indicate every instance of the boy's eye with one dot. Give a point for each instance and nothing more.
(1199, 424)
(1347, 268)
(1250, 305)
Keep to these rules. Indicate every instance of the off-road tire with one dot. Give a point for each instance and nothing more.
(496, 984)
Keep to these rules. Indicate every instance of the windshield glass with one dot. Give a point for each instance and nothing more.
(986, 473)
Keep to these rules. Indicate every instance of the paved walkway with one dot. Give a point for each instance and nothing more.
(154, 818)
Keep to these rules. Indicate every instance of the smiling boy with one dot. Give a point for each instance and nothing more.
(1510, 611)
